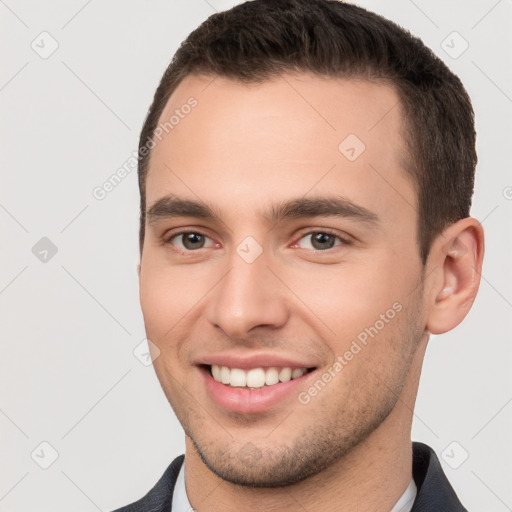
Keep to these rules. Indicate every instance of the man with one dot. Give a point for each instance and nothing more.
(306, 173)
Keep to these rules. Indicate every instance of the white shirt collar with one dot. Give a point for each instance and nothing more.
(406, 501)
(180, 501)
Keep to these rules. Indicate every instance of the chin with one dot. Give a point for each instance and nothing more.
(258, 464)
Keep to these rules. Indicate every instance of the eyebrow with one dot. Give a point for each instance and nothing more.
(336, 206)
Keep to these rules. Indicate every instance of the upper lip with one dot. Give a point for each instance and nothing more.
(246, 362)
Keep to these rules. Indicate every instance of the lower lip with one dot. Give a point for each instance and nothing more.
(247, 401)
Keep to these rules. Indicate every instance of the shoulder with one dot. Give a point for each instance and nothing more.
(159, 498)
(434, 490)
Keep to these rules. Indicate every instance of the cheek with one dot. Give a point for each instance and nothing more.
(172, 298)
(162, 299)
(163, 306)
(350, 298)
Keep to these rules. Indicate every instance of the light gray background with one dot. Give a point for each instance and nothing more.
(70, 325)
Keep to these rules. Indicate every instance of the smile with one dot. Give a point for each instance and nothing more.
(253, 388)
(255, 378)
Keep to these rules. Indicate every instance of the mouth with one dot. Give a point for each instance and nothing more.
(254, 389)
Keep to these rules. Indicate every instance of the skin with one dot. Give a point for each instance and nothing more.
(243, 149)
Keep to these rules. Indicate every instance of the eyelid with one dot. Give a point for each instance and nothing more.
(344, 238)
(167, 237)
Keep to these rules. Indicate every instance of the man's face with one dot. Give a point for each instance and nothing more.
(276, 280)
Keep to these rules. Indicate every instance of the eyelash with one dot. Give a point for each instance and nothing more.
(326, 231)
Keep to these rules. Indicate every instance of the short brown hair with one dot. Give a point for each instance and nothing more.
(261, 39)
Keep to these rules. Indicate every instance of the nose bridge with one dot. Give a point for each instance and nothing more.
(249, 295)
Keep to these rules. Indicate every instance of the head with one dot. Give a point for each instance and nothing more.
(308, 209)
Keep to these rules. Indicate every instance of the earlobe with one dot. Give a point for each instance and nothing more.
(458, 254)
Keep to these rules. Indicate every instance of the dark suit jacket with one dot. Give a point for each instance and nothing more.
(435, 493)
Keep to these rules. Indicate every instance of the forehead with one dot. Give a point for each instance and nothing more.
(294, 135)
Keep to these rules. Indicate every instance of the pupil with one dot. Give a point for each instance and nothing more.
(193, 241)
(323, 241)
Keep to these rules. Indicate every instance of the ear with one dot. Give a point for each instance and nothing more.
(455, 265)
(138, 270)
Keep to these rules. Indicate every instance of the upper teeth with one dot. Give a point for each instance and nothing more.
(256, 377)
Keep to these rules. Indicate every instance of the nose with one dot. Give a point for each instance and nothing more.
(248, 297)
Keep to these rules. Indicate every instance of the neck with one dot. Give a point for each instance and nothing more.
(371, 476)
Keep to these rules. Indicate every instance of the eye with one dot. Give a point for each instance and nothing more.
(189, 240)
(320, 240)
